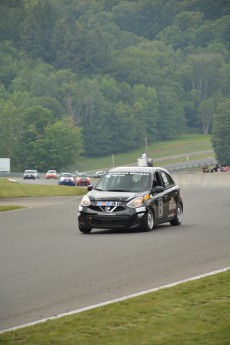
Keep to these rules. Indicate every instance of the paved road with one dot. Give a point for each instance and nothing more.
(47, 267)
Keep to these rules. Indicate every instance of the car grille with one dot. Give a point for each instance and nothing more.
(96, 208)
(108, 221)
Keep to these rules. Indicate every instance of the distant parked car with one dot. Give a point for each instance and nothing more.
(30, 174)
(82, 179)
(51, 174)
(67, 179)
(99, 173)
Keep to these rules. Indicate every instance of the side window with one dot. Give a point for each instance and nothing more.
(156, 180)
(168, 182)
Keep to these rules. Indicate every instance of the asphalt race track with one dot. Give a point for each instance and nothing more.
(48, 267)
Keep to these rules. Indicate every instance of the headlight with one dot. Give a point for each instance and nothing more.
(85, 201)
(137, 202)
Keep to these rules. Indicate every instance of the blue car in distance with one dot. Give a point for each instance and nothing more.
(67, 179)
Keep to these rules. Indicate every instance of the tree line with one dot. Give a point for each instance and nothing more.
(95, 77)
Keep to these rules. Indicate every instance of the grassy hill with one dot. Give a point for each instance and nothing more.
(186, 144)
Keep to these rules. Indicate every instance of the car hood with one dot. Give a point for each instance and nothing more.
(114, 196)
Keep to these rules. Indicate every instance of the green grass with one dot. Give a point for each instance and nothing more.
(185, 144)
(191, 313)
(10, 189)
(10, 208)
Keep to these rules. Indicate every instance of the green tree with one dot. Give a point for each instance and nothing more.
(11, 118)
(36, 28)
(89, 114)
(225, 78)
(148, 63)
(123, 129)
(34, 122)
(8, 65)
(221, 133)
(201, 78)
(146, 114)
(43, 81)
(171, 121)
(214, 31)
(60, 146)
(204, 73)
(182, 32)
(206, 111)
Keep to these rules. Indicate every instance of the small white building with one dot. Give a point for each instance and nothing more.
(4, 164)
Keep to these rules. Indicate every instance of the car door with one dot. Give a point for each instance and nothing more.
(158, 199)
(170, 196)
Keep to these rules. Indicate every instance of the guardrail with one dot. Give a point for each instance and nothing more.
(184, 166)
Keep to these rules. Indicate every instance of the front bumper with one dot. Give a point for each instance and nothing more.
(127, 219)
(83, 183)
(69, 183)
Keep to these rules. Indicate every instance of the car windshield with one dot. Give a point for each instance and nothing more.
(66, 175)
(124, 182)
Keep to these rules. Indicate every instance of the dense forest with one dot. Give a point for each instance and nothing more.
(94, 77)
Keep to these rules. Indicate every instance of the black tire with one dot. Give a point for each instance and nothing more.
(148, 221)
(85, 230)
(179, 215)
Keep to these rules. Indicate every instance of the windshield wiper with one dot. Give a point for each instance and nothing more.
(117, 190)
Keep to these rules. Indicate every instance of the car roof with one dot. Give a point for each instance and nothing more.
(137, 169)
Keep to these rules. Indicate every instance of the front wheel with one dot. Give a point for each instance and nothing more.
(148, 221)
(179, 215)
(85, 230)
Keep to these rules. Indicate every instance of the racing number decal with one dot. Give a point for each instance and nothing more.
(160, 208)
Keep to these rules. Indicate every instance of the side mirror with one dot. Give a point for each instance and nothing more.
(158, 189)
(90, 187)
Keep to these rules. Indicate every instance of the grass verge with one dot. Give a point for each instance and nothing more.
(10, 208)
(9, 189)
(191, 313)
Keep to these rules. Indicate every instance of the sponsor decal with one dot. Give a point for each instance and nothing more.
(147, 196)
(172, 204)
(105, 203)
(140, 209)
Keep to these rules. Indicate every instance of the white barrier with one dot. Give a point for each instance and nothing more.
(218, 179)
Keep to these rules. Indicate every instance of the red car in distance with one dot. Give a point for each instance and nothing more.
(51, 174)
(82, 179)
